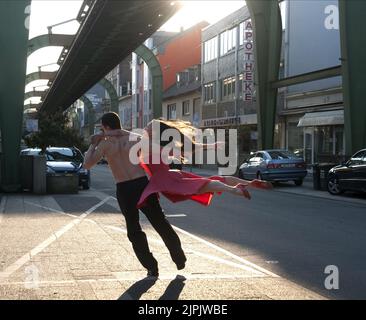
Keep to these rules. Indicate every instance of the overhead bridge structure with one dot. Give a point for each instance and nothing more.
(110, 30)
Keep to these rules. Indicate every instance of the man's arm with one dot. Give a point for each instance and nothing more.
(94, 154)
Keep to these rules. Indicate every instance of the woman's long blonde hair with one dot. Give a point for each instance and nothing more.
(184, 127)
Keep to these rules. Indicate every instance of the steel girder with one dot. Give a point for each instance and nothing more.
(49, 40)
(267, 26)
(157, 78)
(13, 57)
(353, 50)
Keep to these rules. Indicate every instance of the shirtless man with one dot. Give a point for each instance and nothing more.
(131, 181)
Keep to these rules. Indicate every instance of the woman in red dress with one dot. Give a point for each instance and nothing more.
(179, 185)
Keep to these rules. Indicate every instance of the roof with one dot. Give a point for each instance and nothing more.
(175, 91)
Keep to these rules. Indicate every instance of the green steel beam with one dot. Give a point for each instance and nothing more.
(307, 77)
(13, 59)
(91, 113)
(157, 78)
(33, 93)
(108, 86)
(267, 26)
(32, 106)
(49, 40)
(353, 51)
(40, 75)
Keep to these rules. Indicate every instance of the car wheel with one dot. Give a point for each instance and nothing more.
(298, 182)
(333, 186)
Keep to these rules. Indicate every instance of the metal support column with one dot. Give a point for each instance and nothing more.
(157, 78)
(353, 49)
(267, 26)
(13, 60)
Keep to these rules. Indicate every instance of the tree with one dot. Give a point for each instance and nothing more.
(54, 131)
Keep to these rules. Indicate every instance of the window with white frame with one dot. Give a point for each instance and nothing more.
(209, 91)
(185, 108)
(228, 89)
(172, 111)
(227, 41)
(210, 49)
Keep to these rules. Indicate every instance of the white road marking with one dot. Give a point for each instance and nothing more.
(51, 210)
(197, 253)
(121, 276)
(27, 257)
(226, 252)
(175, 215)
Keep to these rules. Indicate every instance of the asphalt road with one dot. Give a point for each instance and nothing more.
(293, 235)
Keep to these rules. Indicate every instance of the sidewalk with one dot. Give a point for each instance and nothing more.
(75, 247)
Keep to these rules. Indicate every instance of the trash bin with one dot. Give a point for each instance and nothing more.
(316, 176)
(323, 174)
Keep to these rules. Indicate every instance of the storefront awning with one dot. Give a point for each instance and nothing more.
(325, 118)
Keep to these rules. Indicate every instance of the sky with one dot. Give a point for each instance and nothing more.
(46, 13)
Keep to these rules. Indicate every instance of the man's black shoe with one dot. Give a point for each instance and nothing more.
(181, 265)
(153, 273)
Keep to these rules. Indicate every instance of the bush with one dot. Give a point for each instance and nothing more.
(54, 131)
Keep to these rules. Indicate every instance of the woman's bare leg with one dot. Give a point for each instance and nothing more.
(218, 186)
(234, 181)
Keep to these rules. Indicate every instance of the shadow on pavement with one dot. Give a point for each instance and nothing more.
(172, 292)
(174, 289)
(138, 289)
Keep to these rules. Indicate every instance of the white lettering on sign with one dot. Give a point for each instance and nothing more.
(248, 78)
(332, 19)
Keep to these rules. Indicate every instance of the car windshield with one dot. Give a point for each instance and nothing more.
(282, 154)
(59, 155)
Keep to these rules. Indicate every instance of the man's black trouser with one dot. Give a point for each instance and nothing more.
(128, 195)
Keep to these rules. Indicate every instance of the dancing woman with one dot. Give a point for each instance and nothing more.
(182, 185)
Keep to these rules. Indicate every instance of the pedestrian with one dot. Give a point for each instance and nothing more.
(131, 181)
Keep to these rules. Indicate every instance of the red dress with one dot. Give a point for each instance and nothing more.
(175, 185)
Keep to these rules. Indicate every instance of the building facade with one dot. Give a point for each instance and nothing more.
(312, 117)
(228, 91)
(183, 99)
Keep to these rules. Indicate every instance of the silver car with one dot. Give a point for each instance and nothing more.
(274, 165)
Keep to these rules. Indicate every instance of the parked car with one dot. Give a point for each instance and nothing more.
(348, 176)
(274, 165)
(64, 160)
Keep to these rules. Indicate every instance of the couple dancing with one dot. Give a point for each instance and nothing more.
(135, 191)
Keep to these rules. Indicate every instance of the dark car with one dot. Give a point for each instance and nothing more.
(274, 165)
(64, 160)
(349, 176)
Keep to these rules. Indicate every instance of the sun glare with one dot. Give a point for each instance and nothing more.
(193, 12)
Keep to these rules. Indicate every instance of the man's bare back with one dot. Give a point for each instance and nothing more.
(116, 150)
